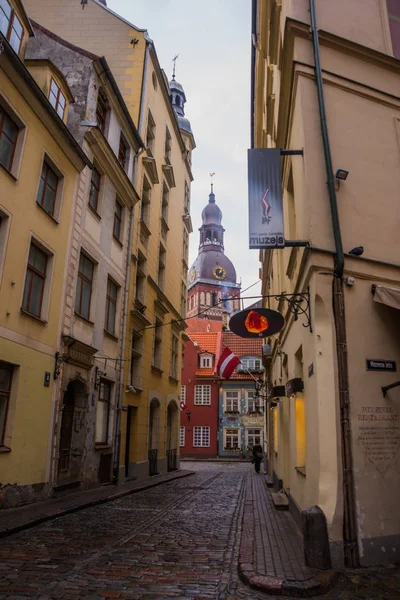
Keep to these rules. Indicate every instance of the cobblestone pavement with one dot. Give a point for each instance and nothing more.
(178, 540)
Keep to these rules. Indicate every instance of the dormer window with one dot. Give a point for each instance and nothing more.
(251, 364)
(206, 361)
(101, 110)
(57, 98)
(10, 25)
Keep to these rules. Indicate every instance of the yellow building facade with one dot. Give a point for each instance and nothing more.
(147, 424)
(39, 171)
(333, 426)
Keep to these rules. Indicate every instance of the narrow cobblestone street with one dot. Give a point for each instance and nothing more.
(180, 539)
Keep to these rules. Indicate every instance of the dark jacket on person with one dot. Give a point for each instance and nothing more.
(257, 452)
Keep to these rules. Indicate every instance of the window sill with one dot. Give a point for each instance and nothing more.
(232, 412)
(5, 449)
(47, 213)
(94, 212)
(34, 317)
(301, 471)
(117, 241)
(110, 335)
(157, 369)
(174, 379)
(100, 446)
(84, 318)
(201, 404)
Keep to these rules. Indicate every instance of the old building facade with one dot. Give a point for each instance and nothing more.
(329, 87)
(40, 164)
(148, 425)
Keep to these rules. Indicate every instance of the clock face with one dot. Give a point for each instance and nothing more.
(219, 272)
(192, 275)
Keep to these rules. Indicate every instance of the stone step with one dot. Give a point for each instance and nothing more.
(280, 500)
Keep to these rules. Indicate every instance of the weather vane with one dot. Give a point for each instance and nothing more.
(212, 183)
(174, 61)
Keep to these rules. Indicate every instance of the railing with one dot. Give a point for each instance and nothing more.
(171, 459)
(153, 462)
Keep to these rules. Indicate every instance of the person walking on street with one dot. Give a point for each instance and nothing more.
(257, 456)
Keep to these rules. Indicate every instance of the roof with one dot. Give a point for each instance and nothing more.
(242, 346)
(208, 342)
(202, 325)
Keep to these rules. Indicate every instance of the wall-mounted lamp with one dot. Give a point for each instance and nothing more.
(188, 413)
(341, 174)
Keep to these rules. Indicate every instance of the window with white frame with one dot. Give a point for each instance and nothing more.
(232, 400)
(182, 436)
(254, 436)
(36, 281)
(251, 363)
(174, 357)
(250, 401)
(206, 361)
(201, 436)
(202, 394)
(232, 438)
(183, 394)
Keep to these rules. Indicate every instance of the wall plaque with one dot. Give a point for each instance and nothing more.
(374, 364)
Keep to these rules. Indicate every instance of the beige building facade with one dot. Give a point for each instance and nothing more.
(147, 423)
(333, 430)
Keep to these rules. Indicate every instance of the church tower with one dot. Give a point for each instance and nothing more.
(212, 277)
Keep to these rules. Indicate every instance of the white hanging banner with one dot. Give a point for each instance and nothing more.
(265, 198)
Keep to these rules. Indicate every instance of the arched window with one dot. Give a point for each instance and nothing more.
(202, 298)
(208, 235)
(208, 299)
(214, 298)
(177, 100)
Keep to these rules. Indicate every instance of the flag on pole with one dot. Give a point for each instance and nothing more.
(227, 363)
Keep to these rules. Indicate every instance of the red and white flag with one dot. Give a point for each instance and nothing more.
(227, 363)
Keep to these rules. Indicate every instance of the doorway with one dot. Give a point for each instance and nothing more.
(72, 431)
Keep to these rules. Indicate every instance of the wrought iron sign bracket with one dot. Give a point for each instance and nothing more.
(59, 359)
(298, 304)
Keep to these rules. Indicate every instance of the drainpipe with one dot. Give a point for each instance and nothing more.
(351, 552)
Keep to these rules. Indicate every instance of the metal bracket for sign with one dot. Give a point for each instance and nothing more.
(291, 152)
(59, 360)
(386, 388)
(297, 304)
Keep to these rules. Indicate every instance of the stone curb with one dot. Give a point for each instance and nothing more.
(4, 532)
(320, 583)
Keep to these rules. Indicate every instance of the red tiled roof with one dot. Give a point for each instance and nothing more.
(242, 346)
(207, 342)
(205, 372)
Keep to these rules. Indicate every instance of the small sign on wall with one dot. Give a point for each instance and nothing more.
(47, 377)
(374, 364)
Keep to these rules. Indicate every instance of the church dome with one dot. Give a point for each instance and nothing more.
(211, 214)
(205, 264)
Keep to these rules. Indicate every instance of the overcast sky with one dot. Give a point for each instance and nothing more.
(213, 40)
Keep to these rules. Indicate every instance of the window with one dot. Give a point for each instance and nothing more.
(123, 151)
(48, 185)
(183, 394)
(202, 394)
(145, 206)
(103, 412)
(94, 190)
(10, 25)
(232, 438)
(150, 134)
(254, 436)
(300, 431)
(174, 357)
(35, 281)
(251, 401)
(8, 136)
(187, 198)
(252, 364)
(141, 279)
(183, 299)
(167, 147)
(6, 372)
(165, 202)
(161, 267)
(206, 362)
(157, 350)
(394, 24)
(57, 99)
(117, 220)
(182, 437)
(201, 437)
(84, 286)
(136, 360)
(185, 249)
(101, 110)
(111, 306)
(232, 400)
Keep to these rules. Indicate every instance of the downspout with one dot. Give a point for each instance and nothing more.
(351, 551)
(253, 68)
